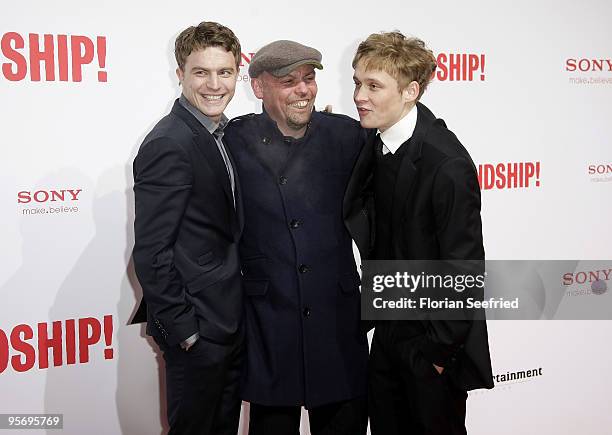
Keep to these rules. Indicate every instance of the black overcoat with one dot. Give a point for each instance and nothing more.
(436, 216)
(304, 341)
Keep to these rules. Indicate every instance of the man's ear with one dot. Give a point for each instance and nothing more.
(257, 86)
(411, 93)
(180, 75)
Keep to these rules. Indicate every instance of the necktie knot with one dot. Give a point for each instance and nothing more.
(378, 147)
(218, 133)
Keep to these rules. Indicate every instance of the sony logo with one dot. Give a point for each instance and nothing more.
(588, 65)
(40, 196)
(246, 58)
(582, 277)
(600, 169)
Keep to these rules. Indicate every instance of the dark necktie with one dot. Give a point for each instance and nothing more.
(378, 147)
(218, 135)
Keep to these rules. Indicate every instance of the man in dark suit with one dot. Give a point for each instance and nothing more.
(414, 195)
(187, 225)
(303, 337)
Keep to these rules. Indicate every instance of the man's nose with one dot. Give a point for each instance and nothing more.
(213, 81)
(301, 88)
(360, 95)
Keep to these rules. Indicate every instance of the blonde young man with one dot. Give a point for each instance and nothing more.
(414, 195)
(187, 226)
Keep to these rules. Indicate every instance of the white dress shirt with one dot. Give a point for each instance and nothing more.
(393, 137)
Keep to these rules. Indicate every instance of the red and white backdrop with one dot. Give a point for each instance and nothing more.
(526, 86)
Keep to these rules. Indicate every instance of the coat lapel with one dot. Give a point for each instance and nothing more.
(408, 168)
(356, 212)
(207, 144)
(238, 195)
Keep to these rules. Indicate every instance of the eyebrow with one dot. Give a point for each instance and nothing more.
(290, 76)
(201, 68)
(369, 80)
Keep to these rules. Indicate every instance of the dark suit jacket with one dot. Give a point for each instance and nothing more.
(436, 216)
(303, 337)
(186, 233)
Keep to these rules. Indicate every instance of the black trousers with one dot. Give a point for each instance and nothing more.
(406, 395)
(202, 387)
(339, 418)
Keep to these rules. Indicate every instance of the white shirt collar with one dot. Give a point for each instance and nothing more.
(400, 132)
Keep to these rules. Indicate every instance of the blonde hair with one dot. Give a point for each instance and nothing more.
(404, 59)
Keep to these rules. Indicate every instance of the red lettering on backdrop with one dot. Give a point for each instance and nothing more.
(23, 349)
(246, 58)
(460, 67)
(515, 175)
(82, 53)
(70, 341)
(42, 196)
(57, 195)
(101, 43)
(45, 342)
(56, 53)
(62, 57)
(4, 351)
(38, 56)
(23, 197)
(10, 43)
(89, 333)
(20, 344)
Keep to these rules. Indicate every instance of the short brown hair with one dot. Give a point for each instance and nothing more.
(206, 34)
(404, 59)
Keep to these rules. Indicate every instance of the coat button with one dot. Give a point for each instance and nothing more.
(306, 312)
(265, 140)
(282, 180)
(303, 268)
(295, 223)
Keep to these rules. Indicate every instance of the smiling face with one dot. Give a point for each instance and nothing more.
(209, 80)
(380, 103)
(288, 100)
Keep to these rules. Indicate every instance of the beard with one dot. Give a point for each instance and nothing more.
(298, 121)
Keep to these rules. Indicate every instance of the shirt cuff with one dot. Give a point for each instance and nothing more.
(190, 341)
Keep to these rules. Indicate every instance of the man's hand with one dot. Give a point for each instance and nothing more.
(439, 369)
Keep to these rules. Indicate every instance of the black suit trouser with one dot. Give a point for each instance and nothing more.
(406, 395)
(339, 418)
(202, 387)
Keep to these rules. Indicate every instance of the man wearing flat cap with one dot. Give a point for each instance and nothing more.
(305, 345)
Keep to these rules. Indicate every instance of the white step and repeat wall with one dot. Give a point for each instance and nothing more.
(525, 85)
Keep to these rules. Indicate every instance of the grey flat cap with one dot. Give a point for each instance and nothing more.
(279, 58)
